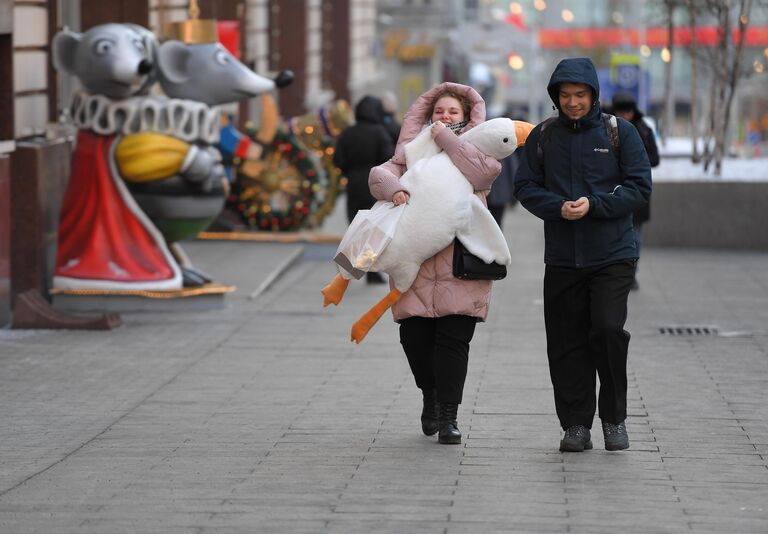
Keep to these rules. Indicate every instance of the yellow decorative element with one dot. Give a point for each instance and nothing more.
(194, 30)
(269, 120)
(398, 44)
(147, 156)
(207, 289)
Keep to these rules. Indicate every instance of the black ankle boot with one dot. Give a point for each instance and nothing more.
(449, 431)
(429, 423)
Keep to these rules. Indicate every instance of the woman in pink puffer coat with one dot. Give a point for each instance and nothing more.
(437, 315)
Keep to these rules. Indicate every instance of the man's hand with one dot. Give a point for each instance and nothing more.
(573, 210)
(401, 197)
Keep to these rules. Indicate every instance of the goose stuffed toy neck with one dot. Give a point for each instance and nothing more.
(442, 206)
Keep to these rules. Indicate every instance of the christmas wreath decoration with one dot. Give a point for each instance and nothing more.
(277, 192)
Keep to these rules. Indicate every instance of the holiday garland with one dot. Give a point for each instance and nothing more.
(319, 131)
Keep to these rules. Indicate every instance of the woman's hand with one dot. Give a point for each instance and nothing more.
(436, 128)
(401, 197)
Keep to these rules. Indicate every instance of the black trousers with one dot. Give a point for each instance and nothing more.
(438, 352)
(584, 314)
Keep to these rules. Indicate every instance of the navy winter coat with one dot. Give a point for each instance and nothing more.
(579, 161)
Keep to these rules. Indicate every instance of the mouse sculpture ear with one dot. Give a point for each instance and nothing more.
(64, 46)
(173, 61)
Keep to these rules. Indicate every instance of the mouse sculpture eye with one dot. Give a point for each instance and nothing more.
(103, 46)
(505, 140)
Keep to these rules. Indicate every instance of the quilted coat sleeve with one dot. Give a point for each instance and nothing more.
(384, 180)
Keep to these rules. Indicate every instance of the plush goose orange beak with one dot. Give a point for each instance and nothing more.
(522, 129)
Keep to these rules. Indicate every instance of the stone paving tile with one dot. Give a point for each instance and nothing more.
(263, 417)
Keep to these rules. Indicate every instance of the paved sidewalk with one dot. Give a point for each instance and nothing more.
(263, 417)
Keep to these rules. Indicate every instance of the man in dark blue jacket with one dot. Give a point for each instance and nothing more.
(585, 186)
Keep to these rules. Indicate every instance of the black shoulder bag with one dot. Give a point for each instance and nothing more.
(467, 266)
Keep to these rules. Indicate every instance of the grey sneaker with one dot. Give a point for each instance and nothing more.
(616, 438)
(577, 438)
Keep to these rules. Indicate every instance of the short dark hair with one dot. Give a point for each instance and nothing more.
(624, 101)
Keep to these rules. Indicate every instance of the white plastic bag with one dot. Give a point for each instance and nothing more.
(368, 235)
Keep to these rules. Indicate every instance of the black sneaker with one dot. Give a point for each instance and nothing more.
(616, 438)
(577, 438)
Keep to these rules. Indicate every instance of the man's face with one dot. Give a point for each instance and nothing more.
(575, 99)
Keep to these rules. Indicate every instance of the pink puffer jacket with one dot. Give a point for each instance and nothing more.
(435, 292)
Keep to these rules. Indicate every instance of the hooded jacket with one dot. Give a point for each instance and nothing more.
(579, 162)
(435, 292)
(359, 148)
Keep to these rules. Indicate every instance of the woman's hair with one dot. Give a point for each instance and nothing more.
(463, 100)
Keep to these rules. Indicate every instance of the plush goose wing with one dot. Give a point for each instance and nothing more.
(482, 236)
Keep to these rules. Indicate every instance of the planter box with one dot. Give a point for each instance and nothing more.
(728, 215)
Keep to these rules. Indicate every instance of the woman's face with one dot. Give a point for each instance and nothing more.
(447, 110)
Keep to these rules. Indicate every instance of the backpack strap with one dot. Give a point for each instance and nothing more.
(544, 134)
(612, 127)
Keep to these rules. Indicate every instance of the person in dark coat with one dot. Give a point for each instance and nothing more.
(585, 190)
(359, 148)
(502, 193)
(389, 101)
(625, 106)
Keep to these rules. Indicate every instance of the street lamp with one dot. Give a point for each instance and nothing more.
(515, 62)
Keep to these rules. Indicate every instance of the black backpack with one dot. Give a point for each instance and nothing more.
(611, 126)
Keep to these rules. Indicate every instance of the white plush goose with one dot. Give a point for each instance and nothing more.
(442, 206)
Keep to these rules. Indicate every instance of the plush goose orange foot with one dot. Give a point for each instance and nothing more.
(334, 292)
(366, 322)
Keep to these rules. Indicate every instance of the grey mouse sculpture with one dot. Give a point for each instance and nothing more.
(201, 74)
(106, 241)
(207, 72)
(147, 169)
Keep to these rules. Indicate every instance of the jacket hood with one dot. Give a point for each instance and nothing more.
(574, 70)
(415, 119)
(369, 109)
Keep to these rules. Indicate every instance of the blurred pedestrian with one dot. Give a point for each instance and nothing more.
(438, 314)
(502, 193)
(625, 106)
(389, 101)
(584, 176)
(360, 147)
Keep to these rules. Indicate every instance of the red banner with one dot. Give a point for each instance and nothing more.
(655, 37)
